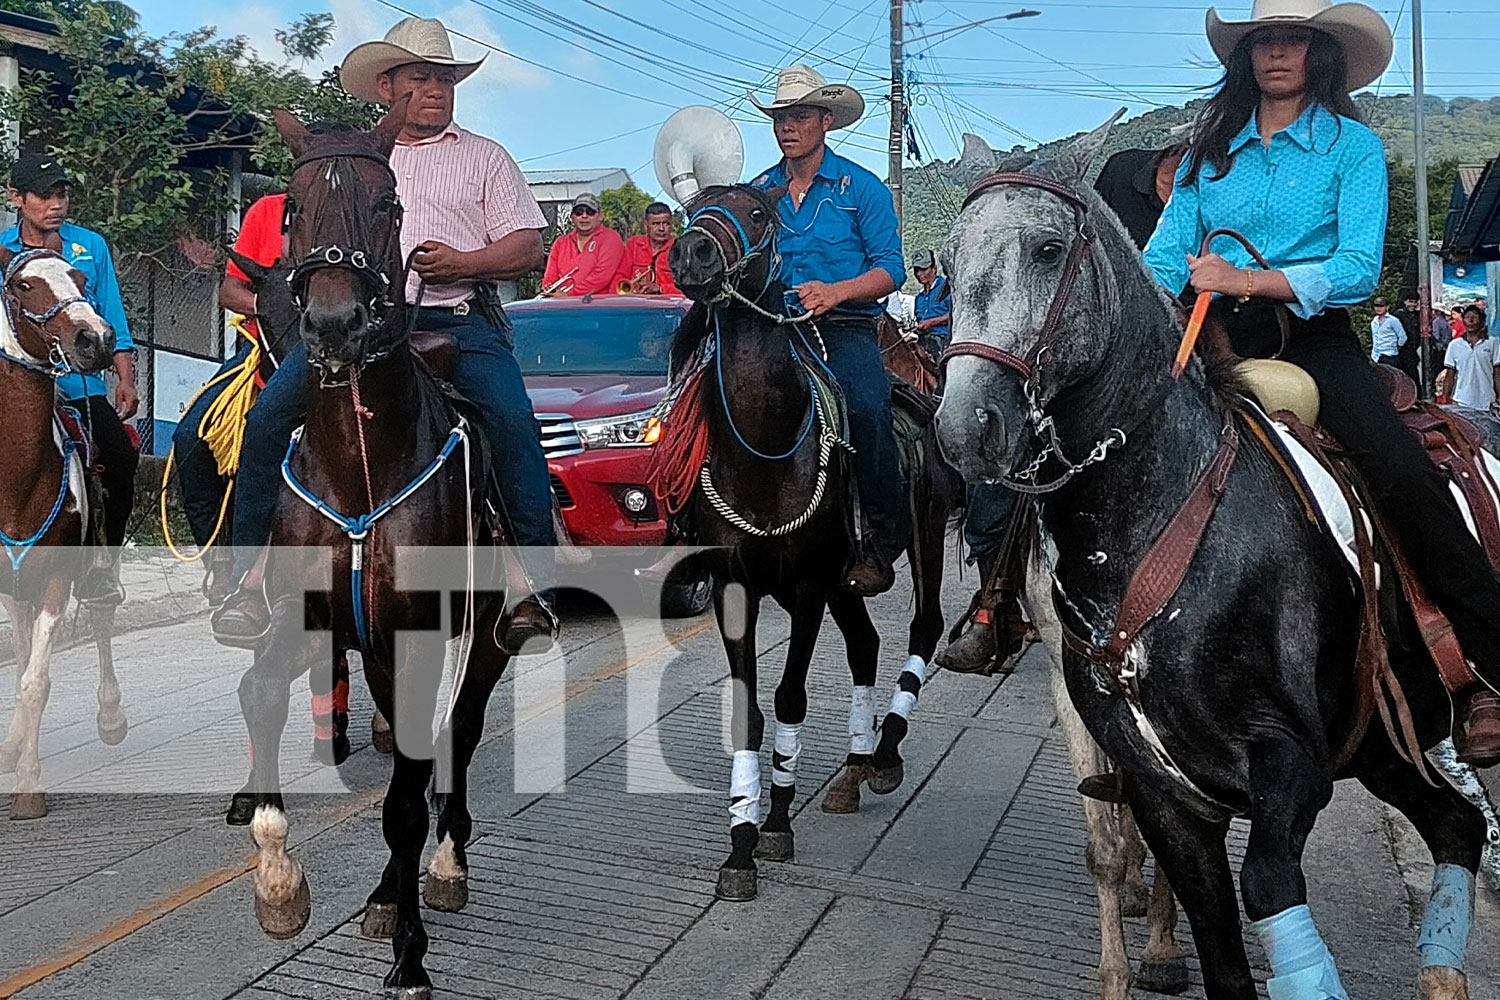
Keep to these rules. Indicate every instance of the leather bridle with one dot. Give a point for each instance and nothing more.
(357, 255)
(1029, 366)
(57, 360)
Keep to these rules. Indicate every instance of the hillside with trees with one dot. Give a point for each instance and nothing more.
(1461, 130)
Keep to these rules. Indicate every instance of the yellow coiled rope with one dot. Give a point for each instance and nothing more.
(223, 430)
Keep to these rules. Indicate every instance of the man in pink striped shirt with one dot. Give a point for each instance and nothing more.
(470, 222)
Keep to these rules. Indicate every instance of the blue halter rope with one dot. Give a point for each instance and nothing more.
(17, 548)
(359, 528)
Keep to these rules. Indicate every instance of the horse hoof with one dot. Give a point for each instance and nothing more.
(736, 885)
(286, 918)
(1135, 899)
(241, 809)
(9, 756)
(775, 845)
(1169, 977)
(842, 796)
(334, 752)
(382, 736)
(113, 734)
(379, 922)
(28, 805)
(446, 895)
(1440, 983)
(885, 780)
(406, 993)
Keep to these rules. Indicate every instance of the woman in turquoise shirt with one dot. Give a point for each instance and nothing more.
(1281, 156)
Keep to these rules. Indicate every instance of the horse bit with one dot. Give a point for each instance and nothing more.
(1029, 367)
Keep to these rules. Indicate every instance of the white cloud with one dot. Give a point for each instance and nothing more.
(357, 21)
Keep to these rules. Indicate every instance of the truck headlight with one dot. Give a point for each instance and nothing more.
(632, 430)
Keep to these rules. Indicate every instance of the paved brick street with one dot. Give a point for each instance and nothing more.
(968, 882)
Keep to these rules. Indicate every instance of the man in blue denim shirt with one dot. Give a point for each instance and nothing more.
(841, 254)
(39, 194)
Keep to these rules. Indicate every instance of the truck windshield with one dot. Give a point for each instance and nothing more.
(594, 341)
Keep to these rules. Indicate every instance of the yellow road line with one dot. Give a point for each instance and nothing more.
(121, 929)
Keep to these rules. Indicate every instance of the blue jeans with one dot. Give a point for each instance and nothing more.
(197, 469)
(487, 375)
(990, 506)
(854, 358)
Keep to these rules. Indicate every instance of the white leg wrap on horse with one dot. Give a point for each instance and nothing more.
(909, 687)
(1302, 967)
(862, 720)
(786, 755)
(1450, 914)
(744, 788)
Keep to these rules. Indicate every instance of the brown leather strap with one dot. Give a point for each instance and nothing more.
(1160, 574)
(979, 349)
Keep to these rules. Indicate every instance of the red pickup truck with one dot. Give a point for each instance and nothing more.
(594, 369)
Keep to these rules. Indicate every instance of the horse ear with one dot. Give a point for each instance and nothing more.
(6, 256)
(388, 129)
(1072, 165)
(255, 271)
(977, 161)
(293, 132)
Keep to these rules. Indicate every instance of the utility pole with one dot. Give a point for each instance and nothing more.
(898, 104)
(1424, 268)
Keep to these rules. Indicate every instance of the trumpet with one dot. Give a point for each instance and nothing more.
(557, 285)
(643, 282)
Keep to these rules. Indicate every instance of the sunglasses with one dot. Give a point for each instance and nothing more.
(583, 210)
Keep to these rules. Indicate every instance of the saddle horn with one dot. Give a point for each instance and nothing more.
(697, 147)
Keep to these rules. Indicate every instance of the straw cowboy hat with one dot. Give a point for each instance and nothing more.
(1359, 30)
(805, 86)
(412, 40)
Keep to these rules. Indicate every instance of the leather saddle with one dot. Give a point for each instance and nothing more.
(438, 350)
(1453, 444)
(76, 430)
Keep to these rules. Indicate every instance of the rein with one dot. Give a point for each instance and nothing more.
(16, 549)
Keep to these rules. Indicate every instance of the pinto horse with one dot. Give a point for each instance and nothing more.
(1236, 697)
(382, 463)
(777, 526)
(47, 329)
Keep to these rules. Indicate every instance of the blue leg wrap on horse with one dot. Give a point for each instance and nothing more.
(1301, 965)
(1450, 914)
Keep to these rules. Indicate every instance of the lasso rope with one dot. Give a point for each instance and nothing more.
(222, 429)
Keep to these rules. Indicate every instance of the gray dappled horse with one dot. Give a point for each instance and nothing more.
(1235, 699)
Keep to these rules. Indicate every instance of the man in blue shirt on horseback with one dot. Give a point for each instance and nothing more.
(841, 254)
(39, 194)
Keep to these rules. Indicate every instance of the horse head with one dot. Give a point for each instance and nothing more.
(51, 322)
(344, 240)
(1041, 273)
(729, 247)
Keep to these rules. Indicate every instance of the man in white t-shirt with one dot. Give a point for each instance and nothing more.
(1469, 366)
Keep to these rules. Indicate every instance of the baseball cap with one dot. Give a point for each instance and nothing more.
(1380, 301)
(923, 260)
(587, 200)
(37, 173)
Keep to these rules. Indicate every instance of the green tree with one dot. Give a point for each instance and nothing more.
(624, 209)
(128, 108)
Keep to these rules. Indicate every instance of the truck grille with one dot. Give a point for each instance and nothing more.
(560, 490)
(559, 436)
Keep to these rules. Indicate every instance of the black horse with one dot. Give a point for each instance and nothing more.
(382, 463)
(1237, 697)
(773, 503)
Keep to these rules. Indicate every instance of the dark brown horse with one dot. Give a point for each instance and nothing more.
(46, 329)
(778, 521)
(381, 464)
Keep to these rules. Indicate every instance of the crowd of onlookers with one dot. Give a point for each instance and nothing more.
(593, 259)
(1465, 359)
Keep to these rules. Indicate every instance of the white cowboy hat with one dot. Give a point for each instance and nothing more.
(1360, 31)
(803, 85)
(412, 40)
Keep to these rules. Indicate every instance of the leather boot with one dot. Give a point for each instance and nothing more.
(974, 651)
(100, 586)
(532, 618)
(243, 619)
(1478, 742)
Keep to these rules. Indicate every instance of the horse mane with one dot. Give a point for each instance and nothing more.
(714, 190)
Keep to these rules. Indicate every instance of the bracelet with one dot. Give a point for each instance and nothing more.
(1249, 284)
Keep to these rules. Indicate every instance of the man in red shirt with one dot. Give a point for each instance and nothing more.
(645, 263)
(260, 239)
(584, 262)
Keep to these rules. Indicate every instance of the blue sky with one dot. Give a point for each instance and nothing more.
(572, 100)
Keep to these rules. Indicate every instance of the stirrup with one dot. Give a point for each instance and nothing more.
(1108, 787)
